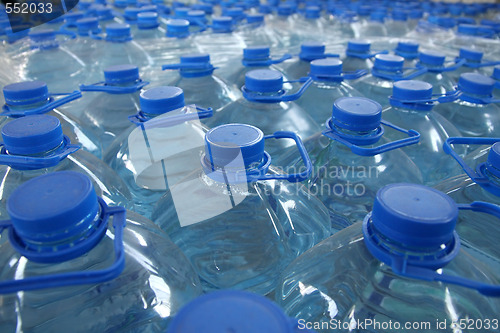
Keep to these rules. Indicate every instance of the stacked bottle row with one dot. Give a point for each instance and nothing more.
(151, 154)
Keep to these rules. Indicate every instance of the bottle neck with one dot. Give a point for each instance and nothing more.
(27, 107)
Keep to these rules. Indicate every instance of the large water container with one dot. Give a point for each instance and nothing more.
(161, 149)
(352, 158)
(233, 311)
(33, 97)
(238, 219)
(474, 63)
(401, 269)
(263, 105)
(409, 51)
(284, 27)
(358, 55)
(329, 84)
(475, 112)
(71, 256)
(398, 25)
(437, 70)
(373, 27)
(106, 105)
(387, 69)
(256, 31)
(412, 107)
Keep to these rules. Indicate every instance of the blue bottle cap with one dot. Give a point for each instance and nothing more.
(377, 17)
(118, 31)
(265, 9)
(182, 12)
(264, 81)
(73, 17)
(147, 20)
(389, 62)
(256, 53)
(222, 24)
(470, 54)
(485, 31)
(476, 84)
(356, 114)
(285, 10)
(407, 48)
(411, 90)
(493, 161)
(399, 15)
(177, 27)
(231, 311)
(414, 215)
(312, 12)
(311, 51)
(195, 58)
(446, 22)
(491, 23)
(206, 7)
(364, 10)
(121, 74)
(467, 29)
(416, 14)
(433, 58)
(233, 12)
(120, 3)
(496, 72)
(225, 142)
(149, 8)
(32, 134)
(42, 35)
(85, 25)
(131, 13)
(105, 12)
(196, 14)
(255, 18)
(358, 46)
(328, 66)
(53, 207)
(160, 100)
(25, 93)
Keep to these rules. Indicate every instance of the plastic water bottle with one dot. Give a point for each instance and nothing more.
(256, 57)
(256, 32)
(106, 105)
(473, 63)
(161, 149)
(82, 254)
(387, 69)
(221, 40)
(299, 67)
(352, 158)
(479, 183)
(409, 51)
(233, 311)
(35, 145)
(397, 26)
(475, 112)
(284, 27)
(194, 75)
(437, 69)
(33, 97)
(238, 220)
(263, 105)
(48, 61)
(310, 26)
(147, 29)
(412, 107)
(328, 85)
(406, 249)
(373, 27)
(358, 55)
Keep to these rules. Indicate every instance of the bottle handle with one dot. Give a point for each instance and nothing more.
(279, 97)
(398, 77)
(102, 86)
(267, 62)
(296, 177)
(53, 103)
(79, 277)
(479, 64)
(140, 118)
(437, 98)
(352, 142)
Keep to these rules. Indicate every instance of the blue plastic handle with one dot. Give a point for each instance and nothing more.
(353, 141)
(398, 77)
(456, 64)
(79, 277)
(140, 118)
(478, 64)
(340, 77)
(267, 62)
(281, 97)
(425, 104)
(52, 104)
(117, 90)
(477, 176)
(497, 85)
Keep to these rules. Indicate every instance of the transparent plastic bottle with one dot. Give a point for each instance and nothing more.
(409, 51)
(474, 63)
(237, 219)
(387, 69)
(35, 145)
(329, 84)
(437, 71)
(402, 264)
(263, 105)
(412, 107)
(195, 76)
(358, 56)
(352, 159)
(284, 26)
(34, 97)
(162, 147)
(147, 29)
(373, 27)
(475, 112)
(106, 105)
(233, 311)
(78, 255)
(397, 26)
(256, 32)
(311, 25)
